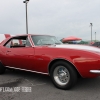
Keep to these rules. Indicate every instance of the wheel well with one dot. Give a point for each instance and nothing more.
(56, 60)
(1, 63)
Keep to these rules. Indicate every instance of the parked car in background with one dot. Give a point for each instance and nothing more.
(96, 44)
(44, 54)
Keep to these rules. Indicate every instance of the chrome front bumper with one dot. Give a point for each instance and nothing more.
(95, 71)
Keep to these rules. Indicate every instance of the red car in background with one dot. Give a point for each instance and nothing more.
(46, 55)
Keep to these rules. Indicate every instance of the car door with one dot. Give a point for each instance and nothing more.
(19, 56)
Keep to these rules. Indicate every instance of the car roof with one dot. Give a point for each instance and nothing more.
(14, 35)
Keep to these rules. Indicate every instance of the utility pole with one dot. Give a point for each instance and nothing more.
(95, 36)
(91, 31)
(26, 1)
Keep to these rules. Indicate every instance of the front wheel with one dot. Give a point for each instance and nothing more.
(63, 75)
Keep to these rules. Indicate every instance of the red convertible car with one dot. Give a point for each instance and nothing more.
(46, 55)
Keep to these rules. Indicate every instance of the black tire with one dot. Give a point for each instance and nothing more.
(2, 69)
(63, 75)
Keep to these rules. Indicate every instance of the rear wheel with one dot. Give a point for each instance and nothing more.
(2, 68)
(63, 75)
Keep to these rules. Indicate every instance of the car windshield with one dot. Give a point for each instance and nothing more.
(45, 40)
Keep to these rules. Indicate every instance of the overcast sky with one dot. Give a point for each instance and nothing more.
(61, 18)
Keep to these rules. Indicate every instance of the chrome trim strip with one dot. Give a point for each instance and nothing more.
(27, 70)
(95, 71)
(32, 43)
(30, 40)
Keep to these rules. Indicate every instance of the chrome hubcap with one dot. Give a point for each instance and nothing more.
(61, 75)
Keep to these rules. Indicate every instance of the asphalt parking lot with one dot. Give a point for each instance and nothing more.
(41, 88)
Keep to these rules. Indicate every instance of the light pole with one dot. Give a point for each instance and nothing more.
(26, 1)
(95, 36)
(91, 31)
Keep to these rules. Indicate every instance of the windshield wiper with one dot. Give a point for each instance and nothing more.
(52, 44)
(58, 43)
